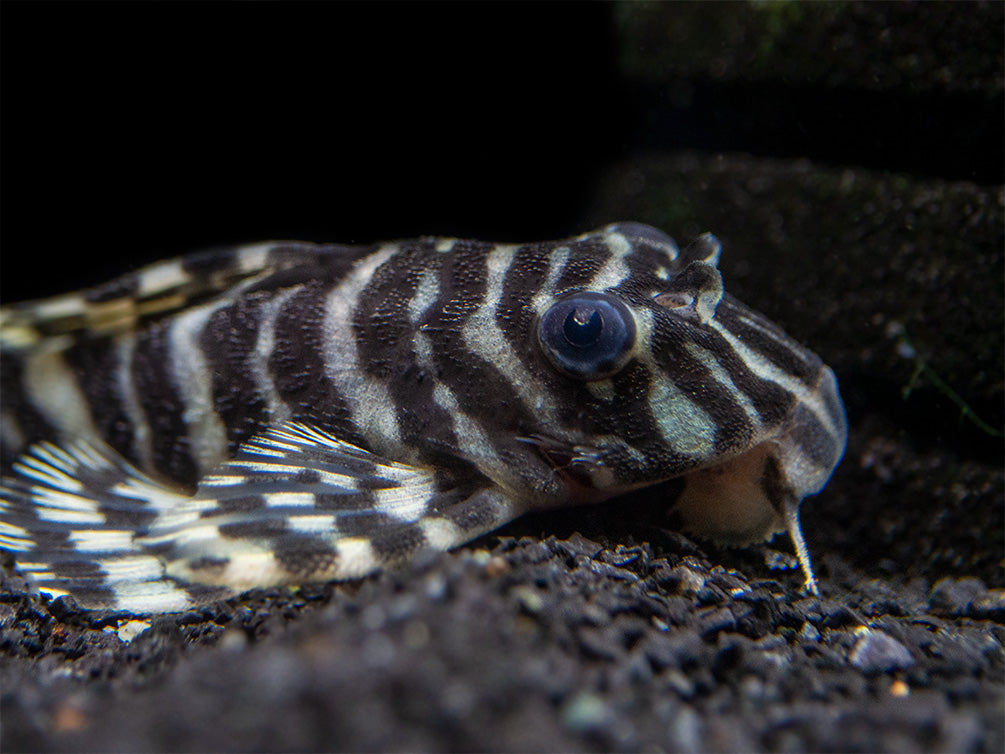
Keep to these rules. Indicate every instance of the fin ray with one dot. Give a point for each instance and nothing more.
(295, 504)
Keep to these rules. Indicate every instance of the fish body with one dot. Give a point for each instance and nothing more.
(290, 412)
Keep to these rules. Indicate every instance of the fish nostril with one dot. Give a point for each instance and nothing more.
(674, 300)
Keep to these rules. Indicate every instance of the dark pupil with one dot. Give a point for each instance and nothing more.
(583, 325)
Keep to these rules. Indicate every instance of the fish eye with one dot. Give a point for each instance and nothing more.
(587, 335)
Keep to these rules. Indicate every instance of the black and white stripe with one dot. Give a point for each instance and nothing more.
(423, 409)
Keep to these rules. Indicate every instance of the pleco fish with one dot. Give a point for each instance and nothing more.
(286, 413)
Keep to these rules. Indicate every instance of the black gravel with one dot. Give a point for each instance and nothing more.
(538, 645)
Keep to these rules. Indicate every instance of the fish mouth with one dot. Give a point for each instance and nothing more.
(579, 467)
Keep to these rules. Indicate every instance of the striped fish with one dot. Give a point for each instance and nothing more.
(286, 413)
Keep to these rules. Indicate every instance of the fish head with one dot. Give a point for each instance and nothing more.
(650, 371)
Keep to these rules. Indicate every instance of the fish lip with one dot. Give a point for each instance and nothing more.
(573, 464)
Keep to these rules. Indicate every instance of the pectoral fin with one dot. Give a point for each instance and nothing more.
(294, 505)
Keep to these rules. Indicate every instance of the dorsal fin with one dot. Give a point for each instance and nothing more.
(164, 288)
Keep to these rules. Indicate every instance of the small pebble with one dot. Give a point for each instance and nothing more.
(954, 596)
(809, 632)
(69, 718)
(496, 566)
(528, 598)
(715, 620)
(131, 629)
(685, 731)
(877, 652)
(585, 712)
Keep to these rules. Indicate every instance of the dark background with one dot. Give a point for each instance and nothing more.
(137, 131)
